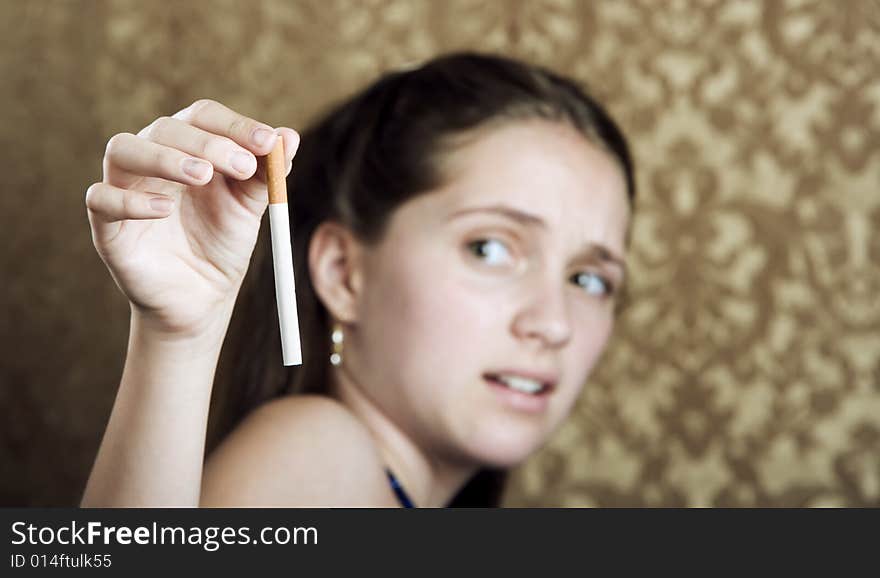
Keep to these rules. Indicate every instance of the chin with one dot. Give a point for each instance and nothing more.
(504, 448)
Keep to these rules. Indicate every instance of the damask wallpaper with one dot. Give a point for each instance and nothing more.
(745, 370)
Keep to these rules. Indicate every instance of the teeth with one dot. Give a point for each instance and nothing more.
(521, 383)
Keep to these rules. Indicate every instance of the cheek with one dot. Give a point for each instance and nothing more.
(592, 338)
(424, 322)
(588, 343)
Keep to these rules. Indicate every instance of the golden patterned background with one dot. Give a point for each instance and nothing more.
(747, 370)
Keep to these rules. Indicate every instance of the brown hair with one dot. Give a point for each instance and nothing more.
(355, 166)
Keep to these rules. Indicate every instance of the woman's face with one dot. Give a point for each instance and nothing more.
(501, 281)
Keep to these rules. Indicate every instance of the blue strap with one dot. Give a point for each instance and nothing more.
(399, 491)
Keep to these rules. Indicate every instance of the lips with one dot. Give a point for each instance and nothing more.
(525, 382)
(523, 392)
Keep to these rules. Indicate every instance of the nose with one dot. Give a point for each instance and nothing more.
(544, 317)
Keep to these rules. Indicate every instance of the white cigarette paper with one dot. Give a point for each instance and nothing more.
(282, 255)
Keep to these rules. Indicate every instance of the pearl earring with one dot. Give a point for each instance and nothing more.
(337, 337)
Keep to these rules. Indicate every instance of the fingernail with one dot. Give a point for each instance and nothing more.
(262, 137)
(197, 169)
(161, 205)
(243, 162)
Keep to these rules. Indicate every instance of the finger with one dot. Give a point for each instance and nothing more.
(109, 204)
(144, 158)
(211, 116)
(223, 153)
(291, 145)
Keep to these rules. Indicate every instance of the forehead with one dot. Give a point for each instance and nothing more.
(544, 168)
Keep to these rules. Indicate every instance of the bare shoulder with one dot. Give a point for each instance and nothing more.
(297, 451)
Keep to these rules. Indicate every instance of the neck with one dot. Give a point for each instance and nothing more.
(429, 480)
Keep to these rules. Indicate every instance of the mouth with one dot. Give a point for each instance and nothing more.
(529, 384)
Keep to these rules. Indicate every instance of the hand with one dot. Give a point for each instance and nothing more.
(177, 214)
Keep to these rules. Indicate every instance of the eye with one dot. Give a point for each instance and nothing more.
(492, 251)
(593, 283)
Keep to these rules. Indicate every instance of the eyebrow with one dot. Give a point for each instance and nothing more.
(592, 250)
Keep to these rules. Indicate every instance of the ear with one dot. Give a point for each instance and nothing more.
(335, 261)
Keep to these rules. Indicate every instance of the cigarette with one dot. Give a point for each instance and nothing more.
(282, 256)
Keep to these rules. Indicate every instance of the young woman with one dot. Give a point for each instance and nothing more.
(459, 236)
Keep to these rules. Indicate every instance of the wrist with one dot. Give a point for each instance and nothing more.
(178, 365)
(210, 325)
(204, 339)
